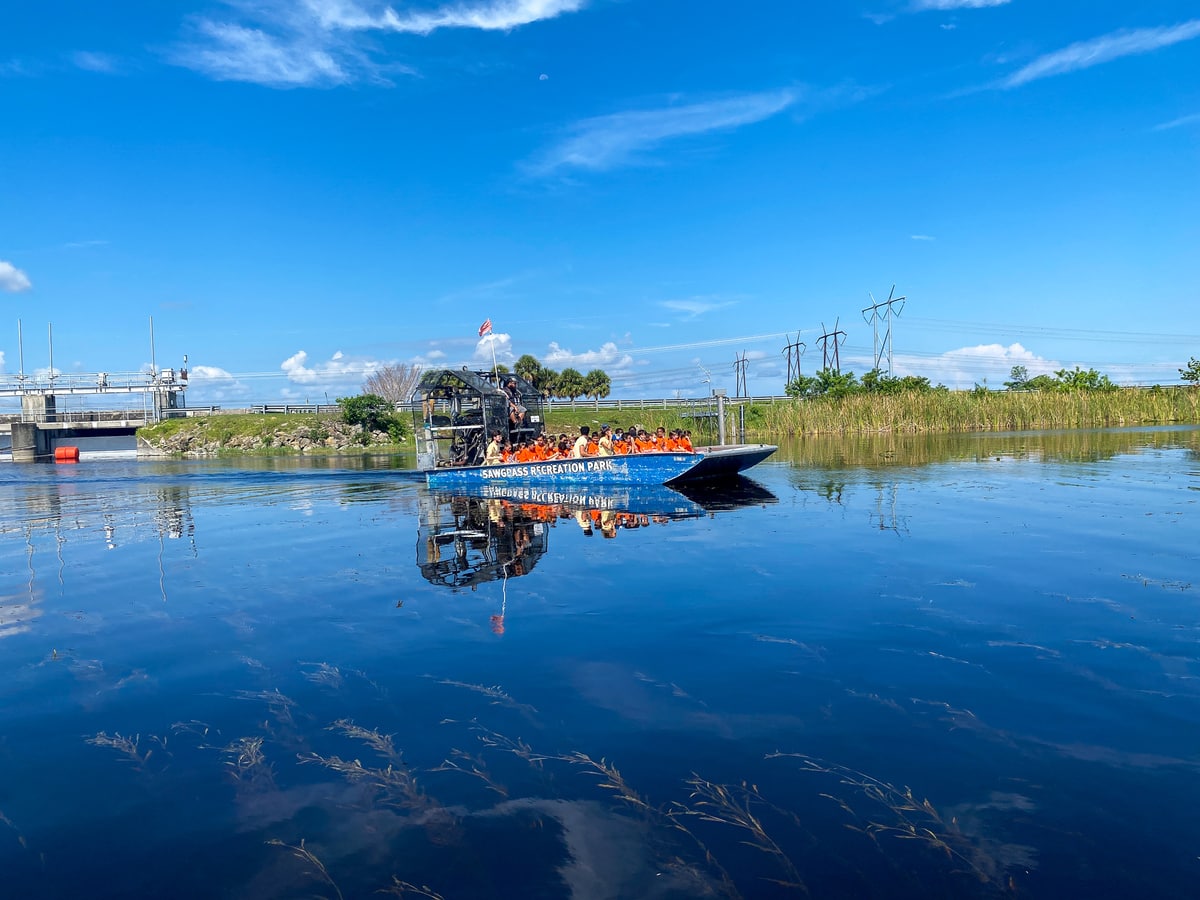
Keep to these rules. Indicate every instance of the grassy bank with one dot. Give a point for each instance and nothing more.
(913, 413)
(958, 411)
(216, 434)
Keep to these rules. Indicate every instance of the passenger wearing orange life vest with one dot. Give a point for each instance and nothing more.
(643, 443)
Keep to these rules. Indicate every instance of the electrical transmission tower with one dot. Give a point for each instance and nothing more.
(874, 309)
(830, 354)
(793, 350)
(739, 373)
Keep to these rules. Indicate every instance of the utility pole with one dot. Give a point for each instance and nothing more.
(828, 354)
(794, 350)
(874, 309)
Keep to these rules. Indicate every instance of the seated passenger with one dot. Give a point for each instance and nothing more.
(581, 442)
(643, 443)
(685, 442)
(604, 446)
(494, 454)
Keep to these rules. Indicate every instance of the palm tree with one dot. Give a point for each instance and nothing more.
(597, 384)
(570, 384)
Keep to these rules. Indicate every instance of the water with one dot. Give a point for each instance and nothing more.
(209, 667)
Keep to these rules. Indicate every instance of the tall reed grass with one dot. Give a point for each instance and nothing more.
(960, 411)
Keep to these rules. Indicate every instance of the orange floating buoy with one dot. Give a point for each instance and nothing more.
(66, 454)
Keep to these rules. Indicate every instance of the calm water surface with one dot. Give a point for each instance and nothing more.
(907, 667)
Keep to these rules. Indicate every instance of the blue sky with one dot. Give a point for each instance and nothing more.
(298, 192)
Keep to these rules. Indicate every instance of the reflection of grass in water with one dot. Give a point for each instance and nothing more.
(876, 808)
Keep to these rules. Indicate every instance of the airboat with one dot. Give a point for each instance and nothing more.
(457, 410)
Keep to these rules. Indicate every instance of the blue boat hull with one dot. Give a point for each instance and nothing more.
(639, 468)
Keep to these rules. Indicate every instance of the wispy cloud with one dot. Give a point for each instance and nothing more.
(80, 245)
(1085, 54)
(13, 279)
(318, 43)
(922, 237)
(620, 139)
(490, 15)
(924, 5)
(697, 306)
(95, 62)
(233, 52)
(1193, 119)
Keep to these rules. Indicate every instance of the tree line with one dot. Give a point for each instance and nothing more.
(834, 384)
(396, 383)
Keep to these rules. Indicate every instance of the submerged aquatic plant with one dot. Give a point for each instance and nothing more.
(402, 888)
(128, 747)
(909, 819)
(494, 692)
(318, 868)
(731, 805)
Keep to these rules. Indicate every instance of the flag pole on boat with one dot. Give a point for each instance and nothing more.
(486, 329)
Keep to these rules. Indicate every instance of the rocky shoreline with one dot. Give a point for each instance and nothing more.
(203, 439)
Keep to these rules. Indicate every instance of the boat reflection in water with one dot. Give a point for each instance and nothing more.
(492, 533)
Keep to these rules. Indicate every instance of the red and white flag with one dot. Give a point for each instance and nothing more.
(485, 328)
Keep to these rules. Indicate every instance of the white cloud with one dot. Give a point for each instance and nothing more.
(923, 237)
(13, 279)
(923, 5)
(697, 306)
(502, 343)
(95, 62)
(1193, 119)
(213, 383)
(320, 42)
(338, 370)
(490, 15)
(609, 354)
(620, 139)
(965, 367)
(1, 362)
(1085, 54)
(232, 52)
